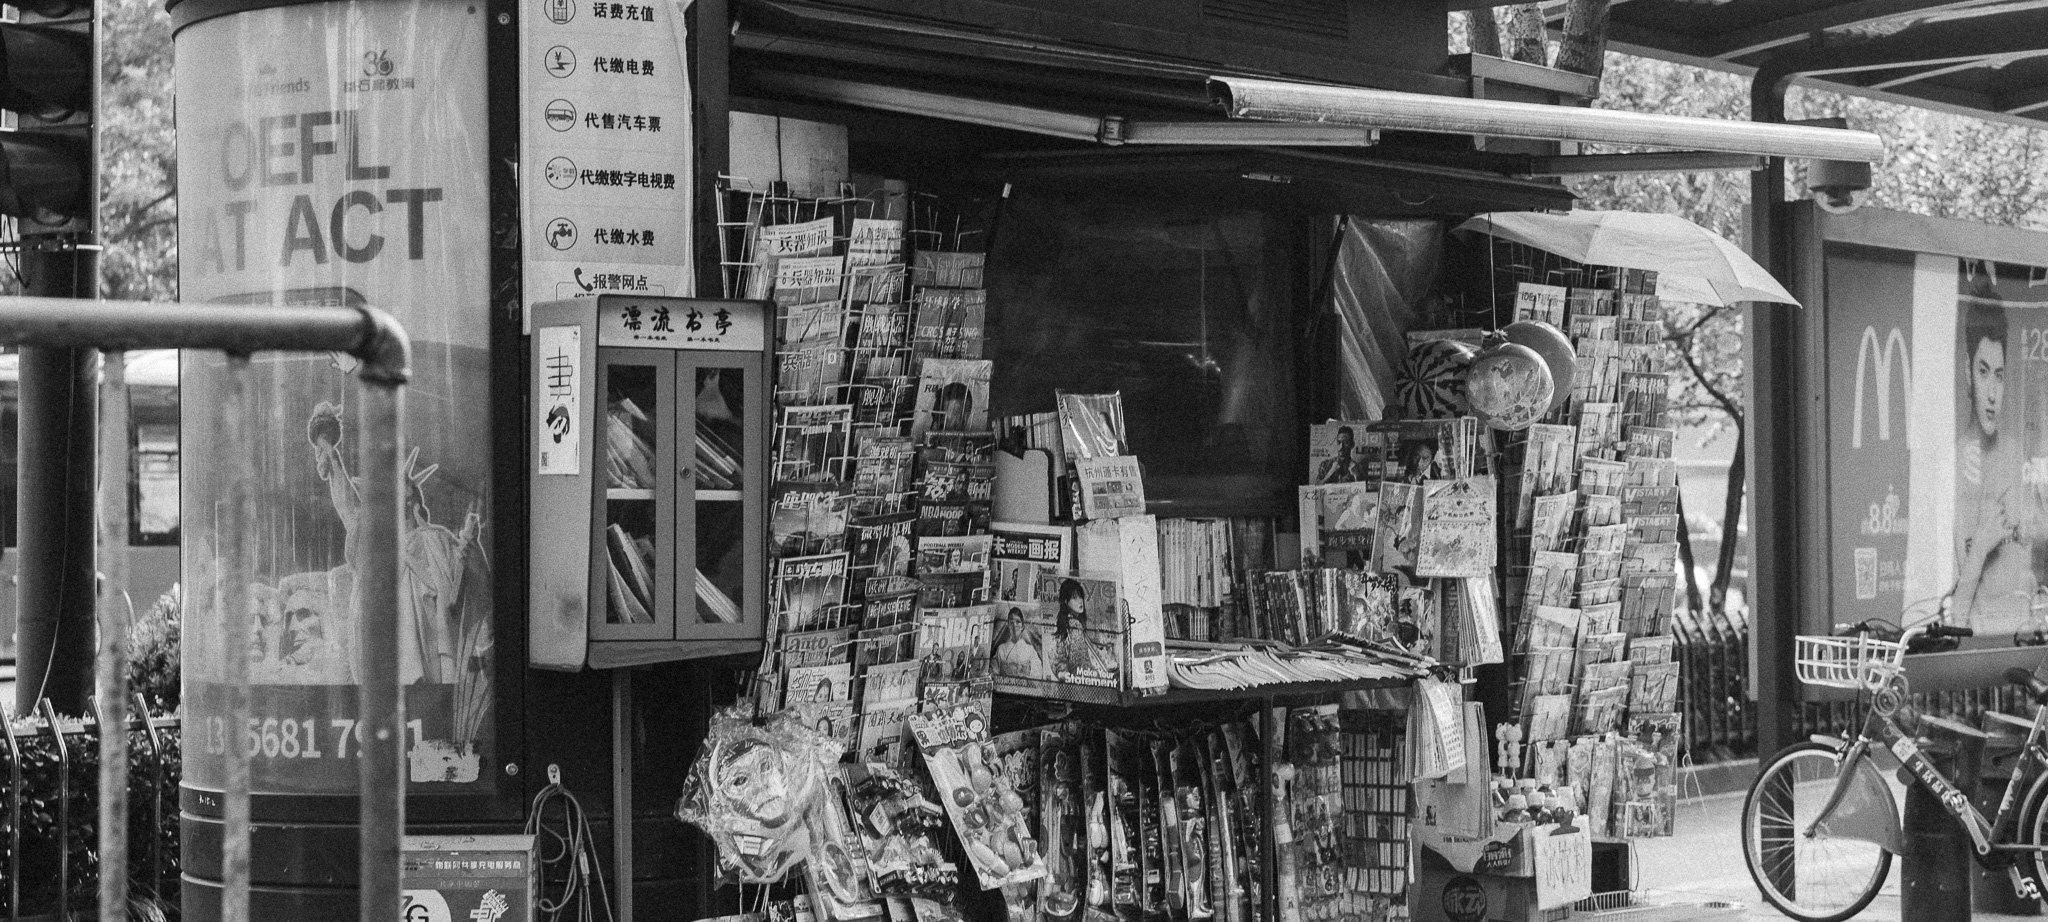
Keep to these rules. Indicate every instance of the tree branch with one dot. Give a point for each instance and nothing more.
(1728, 405)
(136, 230)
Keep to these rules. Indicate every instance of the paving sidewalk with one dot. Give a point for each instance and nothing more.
(1703, 864)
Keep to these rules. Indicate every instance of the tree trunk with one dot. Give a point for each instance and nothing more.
(1482, 32)
(1731, 519)
(1685, 558)
(1584, 48)
(1526, 35)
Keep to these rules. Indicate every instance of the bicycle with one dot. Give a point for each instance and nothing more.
(1820, 825)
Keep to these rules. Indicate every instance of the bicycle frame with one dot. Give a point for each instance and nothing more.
(1861, 806)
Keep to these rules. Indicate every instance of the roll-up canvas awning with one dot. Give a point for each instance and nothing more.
(1325, 104)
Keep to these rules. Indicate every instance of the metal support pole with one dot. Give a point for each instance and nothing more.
(622, 790)
(381, 770)
(54, 530)
(1935, 879)
(235, 571)
(111, 665)
(1775, 496)
(54, 496)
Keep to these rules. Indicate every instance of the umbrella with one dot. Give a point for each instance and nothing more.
(1709, 268)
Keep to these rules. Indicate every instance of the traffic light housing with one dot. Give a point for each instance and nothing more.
(48, 72)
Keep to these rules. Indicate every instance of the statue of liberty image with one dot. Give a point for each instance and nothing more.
(444, 605)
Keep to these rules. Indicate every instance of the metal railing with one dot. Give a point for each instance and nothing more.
(50, 859)
(240, 330)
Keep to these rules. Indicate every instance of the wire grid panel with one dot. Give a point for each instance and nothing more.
(1375, 792)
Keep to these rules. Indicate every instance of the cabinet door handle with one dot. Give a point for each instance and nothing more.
(686, 473)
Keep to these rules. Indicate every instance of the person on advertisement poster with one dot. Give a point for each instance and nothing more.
(1994, 555)
(1342, 466)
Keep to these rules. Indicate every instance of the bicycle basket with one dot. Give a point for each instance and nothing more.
(1841, 662)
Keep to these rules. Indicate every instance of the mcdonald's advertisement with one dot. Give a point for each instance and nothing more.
(1937, 462)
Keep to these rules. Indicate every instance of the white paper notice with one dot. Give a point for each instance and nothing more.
(605, 128)
(558, 430)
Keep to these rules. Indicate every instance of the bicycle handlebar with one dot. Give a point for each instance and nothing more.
(1936, 631)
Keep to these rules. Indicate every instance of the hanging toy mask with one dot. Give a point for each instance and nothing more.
(756, 791)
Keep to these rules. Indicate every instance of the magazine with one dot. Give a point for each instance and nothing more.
(808, 518)
(1112, 486)
(1400, 531)
(1337, 452)
(1020, 554)
(1091, 425)
(811, 443)
(874, 242)
(809, 592)
(880, 545)
(952, 555)
(775, 242)
(952, 396)
(1457, 528)
(810, 279)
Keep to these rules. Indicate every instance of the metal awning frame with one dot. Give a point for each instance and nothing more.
(1268, 113)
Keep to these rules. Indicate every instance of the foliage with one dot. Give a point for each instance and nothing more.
(153, 654)
(52, 827)
(138, 163)
(1936, 164)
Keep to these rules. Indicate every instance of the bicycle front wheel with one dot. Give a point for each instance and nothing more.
(1803, 871)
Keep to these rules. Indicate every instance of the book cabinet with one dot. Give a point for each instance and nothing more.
(649, 486)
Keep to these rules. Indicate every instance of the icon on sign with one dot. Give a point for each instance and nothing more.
(561, 11)
(559, 61)
(561, 172)
(561, 233)
(561, 115)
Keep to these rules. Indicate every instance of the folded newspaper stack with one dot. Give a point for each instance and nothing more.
(1334, 658)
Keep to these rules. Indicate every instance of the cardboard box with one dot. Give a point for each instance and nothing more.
(1127, 550)
(1442, 893)
(454, 878)
(808, 157)
(1558, 858)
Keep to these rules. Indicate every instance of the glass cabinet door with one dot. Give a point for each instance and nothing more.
(633, 551)
(720, 532)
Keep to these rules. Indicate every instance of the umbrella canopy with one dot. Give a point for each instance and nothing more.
(1666, 244)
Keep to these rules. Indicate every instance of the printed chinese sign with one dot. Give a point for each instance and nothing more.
(681, 323)
(605, 149)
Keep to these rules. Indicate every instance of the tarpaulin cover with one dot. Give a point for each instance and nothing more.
(1384, 269)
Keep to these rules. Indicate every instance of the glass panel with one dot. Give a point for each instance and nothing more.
(721, 546)
(630, 412)
(1185, 309)
(721, 562)
(422, 252)
(721, 397)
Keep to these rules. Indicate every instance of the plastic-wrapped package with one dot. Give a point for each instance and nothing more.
(757, 791)
(987, 812)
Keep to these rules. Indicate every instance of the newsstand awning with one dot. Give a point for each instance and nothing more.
(1079, 92)
(1325, 104)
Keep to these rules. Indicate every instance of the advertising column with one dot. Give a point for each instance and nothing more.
(336, 154)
